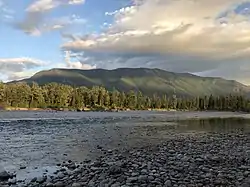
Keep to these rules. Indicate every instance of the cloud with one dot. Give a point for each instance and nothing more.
(45, 5)
(181, 35)
(24, 67)
(238, 71)
(82, 63)
(6, 14)
(35, 23)
(20, 75)
(165, 31)
(11, 67)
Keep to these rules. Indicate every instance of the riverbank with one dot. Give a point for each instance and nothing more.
(60, 109)
(210, 159)
(85, 109)
(103, 109)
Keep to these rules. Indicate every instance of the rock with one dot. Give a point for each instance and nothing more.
(134, 174)
(22, 167)
(60, 175)
(142, 177)
(144, 171)
(33, 179)
(12, 181)
(168, 183)
(117, 184)
(59, 184)
(49, 184)
(99, 147)
(62, 169)
(114, 170)
(151, 178)
(76, 185)
(41, 179)
(4, 176)
(132, 179)
(200, 160)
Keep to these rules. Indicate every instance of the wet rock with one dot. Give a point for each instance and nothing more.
(117, 184)
(22, 167)
(12, 181)
(33, 179)
(168, 183)
(114, 169)
(41, 179)
(59, 184)
(142, 177)
(132, 179)
(76, 185)
(49, 184)
(60, 175)
(99, 147)
(4, 175)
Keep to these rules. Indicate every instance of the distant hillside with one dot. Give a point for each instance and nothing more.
(148, 81)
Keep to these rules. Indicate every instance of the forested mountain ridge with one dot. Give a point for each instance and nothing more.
(148, 81)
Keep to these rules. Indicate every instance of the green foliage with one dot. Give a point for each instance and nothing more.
(54, 95)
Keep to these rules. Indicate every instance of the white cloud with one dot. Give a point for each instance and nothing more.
(45, 5)
(36, 25)
(174, 26)
(25, 61)
(75, 2)
(19, 67)
(20, 75)
(6, 14)
(24, 67)
(82, 64)
(36, 22)
(188, 30)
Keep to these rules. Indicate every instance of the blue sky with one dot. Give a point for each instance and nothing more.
(46, 46)
(201, 37)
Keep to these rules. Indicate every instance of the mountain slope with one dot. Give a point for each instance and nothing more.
(148, 81)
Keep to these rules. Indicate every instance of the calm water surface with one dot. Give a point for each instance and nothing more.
(43, 139)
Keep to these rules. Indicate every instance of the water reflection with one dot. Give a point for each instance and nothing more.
(216, 125)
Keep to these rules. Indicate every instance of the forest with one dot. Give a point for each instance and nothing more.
(59, 96)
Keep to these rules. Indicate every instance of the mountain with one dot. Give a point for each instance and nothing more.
(148, 81)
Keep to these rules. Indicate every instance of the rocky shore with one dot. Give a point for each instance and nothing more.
(212, 159)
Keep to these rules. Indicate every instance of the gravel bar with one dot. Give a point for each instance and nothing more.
(210, 159)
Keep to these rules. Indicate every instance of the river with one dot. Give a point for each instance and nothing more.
(38, 141)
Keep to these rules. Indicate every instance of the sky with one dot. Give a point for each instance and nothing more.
(206, 38)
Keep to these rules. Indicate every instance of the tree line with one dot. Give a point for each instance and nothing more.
(54, 95)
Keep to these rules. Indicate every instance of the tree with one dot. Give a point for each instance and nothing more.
(2, 92)
(54, 95)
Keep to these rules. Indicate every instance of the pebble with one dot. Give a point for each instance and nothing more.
(59, 184)
(49, 184)
(214, 159)
(76, 185)
(22, 167)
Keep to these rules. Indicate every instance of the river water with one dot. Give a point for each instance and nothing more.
(40, 140)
